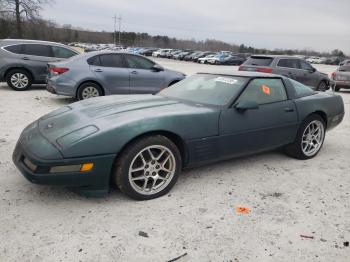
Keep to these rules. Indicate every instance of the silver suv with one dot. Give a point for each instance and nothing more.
(24, 62)
(289, 66)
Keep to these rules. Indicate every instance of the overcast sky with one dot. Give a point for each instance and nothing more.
(322, 25)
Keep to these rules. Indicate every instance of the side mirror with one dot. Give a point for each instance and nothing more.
(246, 105)
(157, 68)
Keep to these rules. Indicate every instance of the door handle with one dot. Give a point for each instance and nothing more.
(98, 70)
(25, 58)
(288, 109)
(134, 72)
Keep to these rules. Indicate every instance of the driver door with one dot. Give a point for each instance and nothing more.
(272, 124)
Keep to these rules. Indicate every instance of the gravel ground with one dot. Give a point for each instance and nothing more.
(197, 220)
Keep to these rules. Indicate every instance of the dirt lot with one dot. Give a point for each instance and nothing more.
(287, 198)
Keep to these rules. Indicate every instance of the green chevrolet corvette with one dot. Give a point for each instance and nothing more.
(141, 143)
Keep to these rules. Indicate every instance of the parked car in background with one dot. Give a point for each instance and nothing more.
(202, 54)
(24, 62)
(141, 143)
(231, 60)
(190, 56)
(341, 76)
(104, 73)
(204, 60)
(182, 55)
(316, 60)
(148, 51)
(171, 54)
(218, 58)
(289, 66)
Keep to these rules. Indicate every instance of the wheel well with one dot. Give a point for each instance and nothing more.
(176, 139)
(321, 114)
(90, 81)
(21, 68)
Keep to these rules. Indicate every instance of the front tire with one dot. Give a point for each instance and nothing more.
(309, 140)
(148, 168)
(19, 79)
(89, 90)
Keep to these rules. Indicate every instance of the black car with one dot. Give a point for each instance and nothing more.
(148, 51)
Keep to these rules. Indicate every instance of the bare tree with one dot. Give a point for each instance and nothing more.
(23, 9)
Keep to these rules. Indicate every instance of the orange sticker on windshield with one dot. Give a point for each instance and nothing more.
(265, 89)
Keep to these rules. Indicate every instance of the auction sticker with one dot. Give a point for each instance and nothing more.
(226, 80)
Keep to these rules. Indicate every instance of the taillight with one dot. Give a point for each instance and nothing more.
(58, 70)
(240, 68)
(264, 70)
(334, 75)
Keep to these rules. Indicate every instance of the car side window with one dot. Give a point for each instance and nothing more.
(16, 49)
(95, 60)
(37, 50)
(300, 89)
(61, 52)
(264, 91)
(138, 62)
(305, 66)
(290, 63)
(111, 60)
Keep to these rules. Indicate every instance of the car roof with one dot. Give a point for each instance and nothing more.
(4, 42)
(275, 56)
(243, 74)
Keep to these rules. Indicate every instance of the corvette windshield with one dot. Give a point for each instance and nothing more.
(206, 89)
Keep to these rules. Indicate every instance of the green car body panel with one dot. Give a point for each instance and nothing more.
(96, 130)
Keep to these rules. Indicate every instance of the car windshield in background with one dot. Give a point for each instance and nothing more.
(206, 89)
(259, 61)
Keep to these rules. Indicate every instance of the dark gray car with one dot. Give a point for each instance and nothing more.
(289, 66)
(24, 62)
(104, 73)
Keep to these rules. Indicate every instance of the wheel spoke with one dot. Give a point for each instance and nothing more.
(145, 184)
(138, 178)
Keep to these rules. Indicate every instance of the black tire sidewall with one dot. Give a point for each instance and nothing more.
(295, 149)
(83, 86)
(122, 164)
(21, 71)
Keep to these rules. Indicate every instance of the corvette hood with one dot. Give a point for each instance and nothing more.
(72, 123)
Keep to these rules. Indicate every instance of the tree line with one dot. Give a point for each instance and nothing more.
(21, 19)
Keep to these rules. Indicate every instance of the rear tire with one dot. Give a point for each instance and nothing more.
(143, 175)
(309, 139)
(89, 90)
(19, 79)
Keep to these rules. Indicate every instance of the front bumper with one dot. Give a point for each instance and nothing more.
(95, 182)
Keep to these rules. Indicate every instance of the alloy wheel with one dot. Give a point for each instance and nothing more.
(89, 92)
(19, 80)
(152, 169)
(312, 138)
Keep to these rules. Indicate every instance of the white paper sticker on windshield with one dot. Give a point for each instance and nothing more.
(226, 80)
